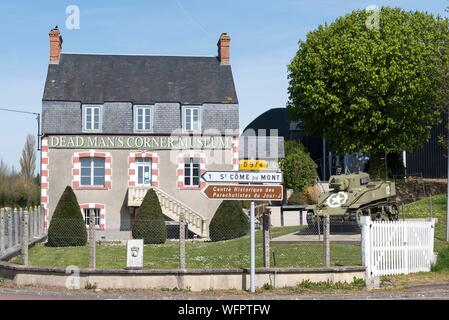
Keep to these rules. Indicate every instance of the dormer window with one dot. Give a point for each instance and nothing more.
(92, 118)
(143, 118)
(191, 118)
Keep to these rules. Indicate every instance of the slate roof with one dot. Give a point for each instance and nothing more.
(95, 78)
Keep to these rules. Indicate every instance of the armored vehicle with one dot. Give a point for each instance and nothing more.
(351, 196)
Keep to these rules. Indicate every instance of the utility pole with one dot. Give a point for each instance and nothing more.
(447, 196)
(252, 281)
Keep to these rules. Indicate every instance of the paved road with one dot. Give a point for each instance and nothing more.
(421, 292)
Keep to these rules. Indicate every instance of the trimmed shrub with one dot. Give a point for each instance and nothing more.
(229, 222)
(67, 228)
(150, 221)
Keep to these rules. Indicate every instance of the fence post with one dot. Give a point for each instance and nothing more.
(36, 221)
(2, 229)
(41, 220)
(33, 221)
(10, 238)
(38, 217)
(25, 221)
(16, 228)
(326, 241)
(266, 238)
(92, 253)
(318, 219)
(182, 242)
(432, 237)
(365, 226)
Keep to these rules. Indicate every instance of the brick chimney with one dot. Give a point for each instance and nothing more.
(55, 45)
(223, 48)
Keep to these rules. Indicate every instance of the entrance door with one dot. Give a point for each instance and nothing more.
(143, 172)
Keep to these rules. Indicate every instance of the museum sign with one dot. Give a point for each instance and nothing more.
(139, 142)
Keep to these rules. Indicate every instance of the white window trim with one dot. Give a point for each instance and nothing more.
(147, 163)
(184, 110)
(96, 219)
(84, 116)
(191, 176)
(150, 107)
(92, 170)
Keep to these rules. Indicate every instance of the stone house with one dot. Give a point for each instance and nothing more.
(114, 126)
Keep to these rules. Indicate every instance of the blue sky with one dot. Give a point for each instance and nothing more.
(264, 39)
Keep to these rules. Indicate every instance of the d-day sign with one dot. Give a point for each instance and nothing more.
(248, 165)
(242, 177)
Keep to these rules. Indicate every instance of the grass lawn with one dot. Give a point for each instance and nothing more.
(224, 254)
(232, 253)
(421, 209)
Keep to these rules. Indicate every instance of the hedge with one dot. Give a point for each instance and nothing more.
(149, 224)
(67, 227)
(229, 222)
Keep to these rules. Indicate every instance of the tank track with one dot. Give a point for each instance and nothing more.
(378, 214)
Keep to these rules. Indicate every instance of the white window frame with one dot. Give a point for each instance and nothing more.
(143, 164)
(185, 111)
(145, 108)
(191, 175)
(91, 108)
(92, 171)
(86, 213)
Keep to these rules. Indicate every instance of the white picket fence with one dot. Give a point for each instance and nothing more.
(397, 247)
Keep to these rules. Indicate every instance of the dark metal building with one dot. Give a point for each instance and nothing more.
(276, 119)
(430, 161)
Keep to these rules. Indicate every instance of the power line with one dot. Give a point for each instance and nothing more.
(19, 111)
(38, 119)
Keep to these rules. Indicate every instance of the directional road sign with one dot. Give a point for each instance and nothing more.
(244, 192)
(243, 177)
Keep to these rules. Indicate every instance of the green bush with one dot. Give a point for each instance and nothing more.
(67, 228)
(229, 222)
(442, 263)
(298, 168)
(298, 198)
(150, 221)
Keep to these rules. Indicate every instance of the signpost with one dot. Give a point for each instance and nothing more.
(246, 185)
(242, 177)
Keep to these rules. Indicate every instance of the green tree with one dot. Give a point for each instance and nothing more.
(229, 222)
(67, 227)
(150, 222)
(298, 168)
(376, 90)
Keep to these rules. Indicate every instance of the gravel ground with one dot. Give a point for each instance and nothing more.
(429, 291)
